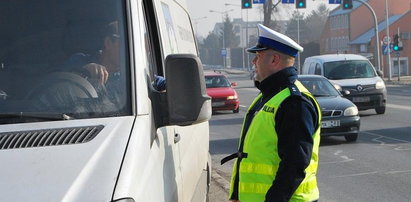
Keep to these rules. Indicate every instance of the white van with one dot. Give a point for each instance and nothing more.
(80, 119)
(355, 77)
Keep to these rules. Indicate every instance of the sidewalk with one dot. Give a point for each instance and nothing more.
(404, 80)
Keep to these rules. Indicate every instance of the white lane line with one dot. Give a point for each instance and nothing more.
(399, 171)
(243, 106)
(354, 175)
(337, 152)
(381, 136)
(399, 106)
(345, 159)
(382, 143)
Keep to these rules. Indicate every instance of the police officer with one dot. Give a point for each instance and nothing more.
(277, 158)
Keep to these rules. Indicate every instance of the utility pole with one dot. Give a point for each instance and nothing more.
(223, 50)
(298, 40)
(389, 41)
(377, 38)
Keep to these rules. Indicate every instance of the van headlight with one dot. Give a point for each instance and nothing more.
(379, 85)
(338, 87)
(232, 97)
(351, 111)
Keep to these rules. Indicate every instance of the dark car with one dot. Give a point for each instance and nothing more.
(339, 115)
(223, 96)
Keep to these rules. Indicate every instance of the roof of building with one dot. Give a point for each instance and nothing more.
(340, 11)
(368, 35)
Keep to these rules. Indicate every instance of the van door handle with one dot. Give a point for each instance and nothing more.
(177, 138)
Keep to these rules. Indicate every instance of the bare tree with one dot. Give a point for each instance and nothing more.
(268, 9)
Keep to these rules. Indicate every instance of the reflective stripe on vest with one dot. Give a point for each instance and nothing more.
(258, 170)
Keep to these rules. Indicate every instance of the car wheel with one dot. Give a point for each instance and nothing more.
(236, 110)
(351, 137)
(380, 110)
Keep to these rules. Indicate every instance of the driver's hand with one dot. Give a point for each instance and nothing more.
(98, 72)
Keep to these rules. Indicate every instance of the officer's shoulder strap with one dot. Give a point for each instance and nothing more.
(296, 93)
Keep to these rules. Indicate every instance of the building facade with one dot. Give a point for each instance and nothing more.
(353, 31)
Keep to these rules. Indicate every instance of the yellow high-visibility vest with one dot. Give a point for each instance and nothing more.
(257, 171)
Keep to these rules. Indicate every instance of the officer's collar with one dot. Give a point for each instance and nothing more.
(277, 81)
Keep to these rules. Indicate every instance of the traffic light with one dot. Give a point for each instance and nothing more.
(245, 4)
(396, 43)
(300, 4)
(347, 4)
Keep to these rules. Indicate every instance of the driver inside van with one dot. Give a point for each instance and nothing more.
(104, 68)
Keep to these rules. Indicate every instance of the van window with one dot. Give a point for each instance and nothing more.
(176, 32)
(312, 68)
(51, 53)
(349, 69)
(317, 69)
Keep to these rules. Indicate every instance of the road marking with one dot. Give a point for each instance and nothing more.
(382, 143)
(399, 171)
(354, 175)
(243, 106)
(345, 159)
(337, 153)
(399, 106)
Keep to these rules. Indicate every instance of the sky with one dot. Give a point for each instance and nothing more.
(204, 20)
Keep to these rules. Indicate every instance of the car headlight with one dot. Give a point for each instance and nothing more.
(338, 87)
(351, 111)
(232, 97)
(379, 85)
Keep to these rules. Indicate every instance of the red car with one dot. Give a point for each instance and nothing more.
(224, 97)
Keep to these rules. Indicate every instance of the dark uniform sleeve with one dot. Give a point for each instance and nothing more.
(295, 125)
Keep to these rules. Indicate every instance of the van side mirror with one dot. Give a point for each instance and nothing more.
(380, 73)
(187, 99)
(234, 84)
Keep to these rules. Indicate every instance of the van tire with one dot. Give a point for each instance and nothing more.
(351, 137)
(236, 110)
(380, 110)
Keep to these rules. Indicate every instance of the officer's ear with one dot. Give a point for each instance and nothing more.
(276, 58)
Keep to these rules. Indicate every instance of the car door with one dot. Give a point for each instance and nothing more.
(193, 140)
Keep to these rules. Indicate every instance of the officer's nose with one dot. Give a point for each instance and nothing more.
(254, 60)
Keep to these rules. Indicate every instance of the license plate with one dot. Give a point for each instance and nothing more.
(361, 99)
(330, 124)
(218, 104)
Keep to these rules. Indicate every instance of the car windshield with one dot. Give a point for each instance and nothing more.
(52, 52)
(217, 82)
(348, 69)
(319, 87)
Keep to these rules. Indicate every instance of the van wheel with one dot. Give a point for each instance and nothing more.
(351, 137)
(380, 110)
(236, 110)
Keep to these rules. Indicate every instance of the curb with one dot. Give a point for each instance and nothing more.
(220, 181)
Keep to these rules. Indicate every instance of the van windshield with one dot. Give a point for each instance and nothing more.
(349, 69)
(63, 60)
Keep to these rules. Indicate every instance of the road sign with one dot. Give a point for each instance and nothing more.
(334, 1)
(287, 1)
(223, 52)
(386, 40)
(258, 1)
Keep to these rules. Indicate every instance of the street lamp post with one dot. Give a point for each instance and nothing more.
(388, 44)
(377, 46)
(241, 33)
(223, 34)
